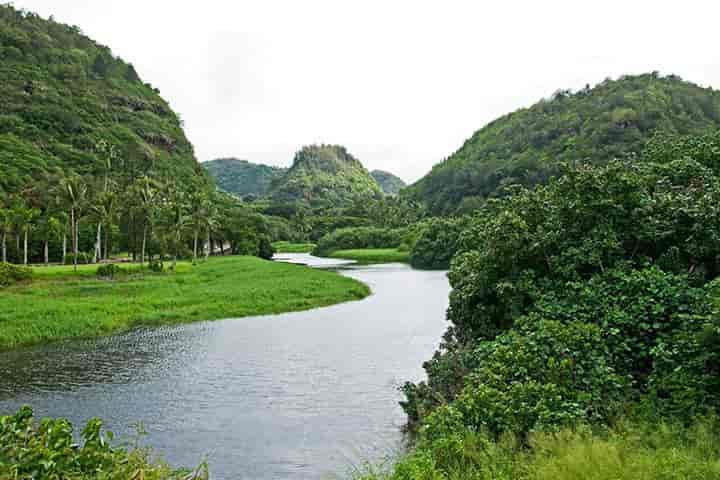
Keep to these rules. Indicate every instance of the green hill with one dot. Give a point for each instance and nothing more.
(389, 183)
(241, 177)
(62, 95)
(324, 176)
(613, 119)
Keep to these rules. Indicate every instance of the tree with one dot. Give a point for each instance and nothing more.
(72, 193)
(5, 226)
(145, 196)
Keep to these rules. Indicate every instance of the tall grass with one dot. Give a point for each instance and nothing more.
(62, 304)
(627, 452)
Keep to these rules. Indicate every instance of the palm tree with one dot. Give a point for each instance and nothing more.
(145, 194)
(72, 193)
(26, 218)
(5, 227)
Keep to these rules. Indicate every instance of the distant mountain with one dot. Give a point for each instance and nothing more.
(324, 175)
(241, 177)
(613, 119)
(389, 183)
(63, 96)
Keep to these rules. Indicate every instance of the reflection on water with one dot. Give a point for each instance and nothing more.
(301, 395)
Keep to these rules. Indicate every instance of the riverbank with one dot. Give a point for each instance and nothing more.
(61, 304)
(372, 255)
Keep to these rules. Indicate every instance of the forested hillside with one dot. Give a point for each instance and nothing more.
(389, 183)
(324, 175)
(63, 96)
(241, 177)
(614, 119)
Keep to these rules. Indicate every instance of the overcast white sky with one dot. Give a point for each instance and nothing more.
(400, 83)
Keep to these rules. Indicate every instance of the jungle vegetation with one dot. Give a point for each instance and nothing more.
(242, 178)
(584, 335)
(594, 125)
(389, 183)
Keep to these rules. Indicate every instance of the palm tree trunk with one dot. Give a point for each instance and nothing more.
(73, 232)
(47, 251)
(25, 247)
(98, 243)
(208, 245)
(4, 247)
(195, 245)
(107, 240)
(222, 247)
(64, 247)
(142, 255)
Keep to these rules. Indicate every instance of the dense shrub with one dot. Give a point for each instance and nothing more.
(48, 451)
(360, 237)
(541, 375)
(437, 243)
(157, 266)
(109, 270)
(11, 274)
(625, 248)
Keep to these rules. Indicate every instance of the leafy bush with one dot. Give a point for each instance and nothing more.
(156, 266)
(437, 243)
(108, 270)
(359, 237)
(11, 274)
(542, 375)
(48, 451)
(625, 248)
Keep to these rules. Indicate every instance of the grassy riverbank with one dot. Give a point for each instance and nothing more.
(289, 247)
(372, 255)
(60, 303)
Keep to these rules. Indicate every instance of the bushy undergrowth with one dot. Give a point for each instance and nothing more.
(577, 304)
(359, 237)
(47, 450)
(437, 242)
(109, 271)
(11, 274)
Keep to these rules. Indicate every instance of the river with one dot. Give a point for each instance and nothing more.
(304, 395)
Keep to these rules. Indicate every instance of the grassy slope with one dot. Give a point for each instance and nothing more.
(372, 255)
(289, 247)
(60, 304)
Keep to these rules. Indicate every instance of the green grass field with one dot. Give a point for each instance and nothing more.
(289, 247)
(372, 255)
(60, 303)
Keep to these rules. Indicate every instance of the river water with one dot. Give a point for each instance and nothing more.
(305, 395)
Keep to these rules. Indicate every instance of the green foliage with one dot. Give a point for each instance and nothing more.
(47, 450)
(437, 242)
(62, 94)
(372, 255)
(222, 287)
(629, 451)
(324, 176)
(390, 184)
(156, 266)
(360, 237)
(242, 178)
(584, 299)
(109, 271)
(82, 258)
(612, 120)
(289, 247)
(12, 274)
